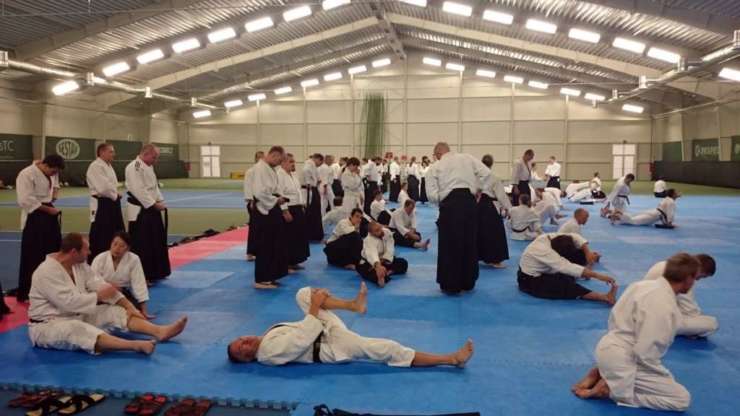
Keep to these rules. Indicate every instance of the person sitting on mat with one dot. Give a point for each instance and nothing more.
(550, 265)
(322, 337)
(344, 246)
(663, 215)
(574, 225)
(642, 326)
(71, 304)
(524, 221)
(403, 225)
(122, 268)
(378, 262)
(403, 196)
(378, 210)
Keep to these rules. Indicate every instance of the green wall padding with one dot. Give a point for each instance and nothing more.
(735, 150)
(16, 152)
(672, 152)
(77, 153)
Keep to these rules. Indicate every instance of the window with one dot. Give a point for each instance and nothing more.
(623, 159)
(210, 157)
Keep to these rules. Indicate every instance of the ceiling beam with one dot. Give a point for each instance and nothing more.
(388, 29)
(49, 43)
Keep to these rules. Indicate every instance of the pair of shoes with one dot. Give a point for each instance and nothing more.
(189, 407)
(146, 405)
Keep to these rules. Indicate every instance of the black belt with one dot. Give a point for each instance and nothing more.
(519, 231)
(307, 187)
(34, 321)
(317, 348)
(663, 217)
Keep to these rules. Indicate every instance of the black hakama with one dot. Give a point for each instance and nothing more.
(397, 266)
(345, 250)
(492, 245)
(108, 221)
(149, 241)
(395, 187)
(297, 236)
(314, 224)
(402, 240)
(523, 187)
(370, 189)
(336, 187)
(253, 231)
(385, 182)
(553, 182)
(272, 260)
(457, 259)
(423, 198)
(551, 286)
(4, 309)
(42, 235)
(413, 182)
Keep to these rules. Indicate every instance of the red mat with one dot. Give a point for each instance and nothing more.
(179, 256)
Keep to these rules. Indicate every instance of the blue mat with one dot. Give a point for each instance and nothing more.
(528, 351)
(174, 199)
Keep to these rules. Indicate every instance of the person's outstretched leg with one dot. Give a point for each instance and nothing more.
(458, 358)
(609, 297)
(106, 342)
(161, 332)
(358, 304)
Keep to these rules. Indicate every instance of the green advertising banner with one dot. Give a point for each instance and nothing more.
(167, 152)
(15, 147)
(705, 150)
(126, 150)
(71, 149)
(672, 152)
(735, 151)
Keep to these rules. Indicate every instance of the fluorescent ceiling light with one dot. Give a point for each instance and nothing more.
(584, 35)
(455, 67)
(633, 108)
(151, 56)
(718, 54)
(186, 45)
(381, 62)
(572, 92)
(202, 113)
(221, 35)
(431, 61)
(498, 17)
(283, 90)
(664, 55)
(541, 26)
(513, 79)
(629, 45)
(487, 73)
(333, 76)
(259, 24)
(257, 97)
(233, 103)
(594, 97)
(65, 87)
(297, 13)
(333, 4)
(420, 3)
(729, 73)
(538, 85)
(457, 8)
(115, 69)
(310, 83)
(357, 69)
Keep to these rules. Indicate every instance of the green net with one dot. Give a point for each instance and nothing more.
(372, 125)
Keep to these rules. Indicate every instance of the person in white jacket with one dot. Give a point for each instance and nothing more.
(524, 221)
(642, 326)
(662, 216)
(322, 337)
(378, 260)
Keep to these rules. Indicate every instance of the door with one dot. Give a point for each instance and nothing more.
(623, 159)
(210, 157)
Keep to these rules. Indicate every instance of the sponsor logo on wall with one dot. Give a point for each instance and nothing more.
(68, 149)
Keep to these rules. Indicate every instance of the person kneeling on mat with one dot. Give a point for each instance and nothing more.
(551, 263)
(344, 246)
(322, 337)
(70, 303)
(378, 262)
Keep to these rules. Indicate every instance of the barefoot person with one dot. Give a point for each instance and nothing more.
(551, 263)
(575, 224)
(344, 246)
(378, 261)
(322, 337)
(71, 306)
(662, 216)
(642, 326)
(403, 226)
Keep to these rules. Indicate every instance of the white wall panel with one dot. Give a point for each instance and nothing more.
(609, 131)
(224, 134)
(476, 87)
(730, 119)
(441, 86)
(590, 152)
(541, 152)
(486, 109)
(19, 118)
(430, 133)
(329, 111)
(436, 110)
(281, 112)
(539, 108)
(486, 132)
(330, 134)
(539, 131)
(288, 135)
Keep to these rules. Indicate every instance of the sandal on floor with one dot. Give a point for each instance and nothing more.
(152, 406)
(29, 399)
(49, 405)
(184, 407)
(135, 405)
(202, 407)
(80, 403)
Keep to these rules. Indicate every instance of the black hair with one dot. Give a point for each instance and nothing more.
(566, 247)
(708, 265)
(232, 357)
(487, 160)
(54, 161)
(101, 147)
(123, 235)
(355, 211)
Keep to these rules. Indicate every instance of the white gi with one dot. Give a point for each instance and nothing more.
(248, 185)
(403, 222)
(547, 208)
(375, 249)
(524, 223)
(521, 172)
(326, 178)
(128, 274)
(570, 227)
(33, 189)
(553, 170)
(309, 177)
(494, 187)
(642, 326)
(290, 187)
(376, 208)
(619, 196)
(141, 182)
(65, 314)
(402, 197)
(353, 191)
(692, 322)
(660, 186)
(102, 182)
(294, 341)
(394, 170)
(336, 171)
(574, 188)
(665, 213)
(266, 185)
(343, 228)
(539, 257)
(373, 172)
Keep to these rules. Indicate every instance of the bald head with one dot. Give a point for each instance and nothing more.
(581, 216)
(149, 154)
(440, 149)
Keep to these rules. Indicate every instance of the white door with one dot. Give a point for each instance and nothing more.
(210, 157)
(623, 159)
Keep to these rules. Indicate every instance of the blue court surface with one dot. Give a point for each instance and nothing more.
(528, 351)
(173, 198)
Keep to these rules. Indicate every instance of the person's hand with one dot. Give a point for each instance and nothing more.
(106, 291)
(287, 216)
(505, 213)
(53, 211)
(381, 271)
(281, 201)
(606, 279)
(160, 206)
(135, 313)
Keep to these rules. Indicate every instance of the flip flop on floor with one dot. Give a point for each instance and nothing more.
(80, 403)
(152, 405)
(49, 405)
(202, 407)
(181, 408)
(134, 406)
(29, 399)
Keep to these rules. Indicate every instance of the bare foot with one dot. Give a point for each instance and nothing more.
(265, 285)
(350, 267)
(498, 265)
(604, 212)
(145, 347)
(425, 245)
(588, 381)
(173, 330)
(381, 281)
(611, 297)
(599, 391)
(461, 357)
(250, 257)
(360, 302)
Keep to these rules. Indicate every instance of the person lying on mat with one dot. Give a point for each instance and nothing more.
(71, 304)
(642, 326)
(662, 216)
(322, 337)
(550, 265)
